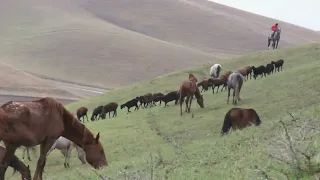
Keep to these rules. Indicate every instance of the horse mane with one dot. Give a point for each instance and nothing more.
(258, 120)
(70, 120)
(226, 123)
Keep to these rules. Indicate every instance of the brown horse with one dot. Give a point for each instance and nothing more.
(192, 78)
(17, 165)
(110, 107)
(239, 118)
(249, 71)
(224, 78)
(205, 84)
(30, 123)
(243, 72)
(188, 89)
(82, 112)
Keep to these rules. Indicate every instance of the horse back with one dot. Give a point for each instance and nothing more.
(241, 118)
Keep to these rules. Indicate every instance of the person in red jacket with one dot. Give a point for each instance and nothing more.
(274, 28)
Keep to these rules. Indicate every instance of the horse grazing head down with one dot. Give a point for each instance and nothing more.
(94, 151)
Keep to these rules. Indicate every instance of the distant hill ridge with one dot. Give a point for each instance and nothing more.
(114, 43)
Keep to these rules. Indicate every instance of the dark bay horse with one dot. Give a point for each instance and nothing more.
(17, 165)
(235, 82)
(188, 89)
(43, 121)
(275, 39)
(239, 118)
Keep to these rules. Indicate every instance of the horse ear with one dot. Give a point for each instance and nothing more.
(97, 137)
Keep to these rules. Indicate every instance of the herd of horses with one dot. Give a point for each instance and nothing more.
(46, 122)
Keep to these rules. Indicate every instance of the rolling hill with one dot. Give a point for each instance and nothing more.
(110, 44)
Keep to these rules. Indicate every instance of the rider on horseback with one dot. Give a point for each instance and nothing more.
(274, 28)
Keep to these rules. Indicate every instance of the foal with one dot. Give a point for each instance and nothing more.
(17, 165)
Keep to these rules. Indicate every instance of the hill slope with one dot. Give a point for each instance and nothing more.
(114, 43)
(199, 24)
(158, 140)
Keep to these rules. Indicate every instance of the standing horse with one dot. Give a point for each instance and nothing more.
(82, 112)
(65, 145)
(188, 89)
(17, 165)
(30, 123)
(215, 70)
(275, 39)
(235, 82)
(239, 118)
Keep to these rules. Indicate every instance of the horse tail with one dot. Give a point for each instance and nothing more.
(218, 70)
(238, 86)
(226, 123)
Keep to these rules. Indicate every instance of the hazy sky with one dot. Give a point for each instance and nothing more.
(304, 13)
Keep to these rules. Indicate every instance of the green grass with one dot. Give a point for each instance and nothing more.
(158, 140)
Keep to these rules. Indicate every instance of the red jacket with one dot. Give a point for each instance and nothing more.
(274, 28)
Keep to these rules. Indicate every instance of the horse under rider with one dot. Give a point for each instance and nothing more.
(274, 28)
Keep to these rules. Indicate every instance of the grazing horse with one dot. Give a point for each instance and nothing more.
(30, 123)
(215, 70)
(192, 78)
(65, 145)
(110, 107)
(96, 113)
(130, 104)
(275, 40)
(188, 89)
(235, 82)
(17, 165)
(239, 118)
(82, 112)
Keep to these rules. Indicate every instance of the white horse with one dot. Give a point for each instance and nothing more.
(65, 146)
(215, 70)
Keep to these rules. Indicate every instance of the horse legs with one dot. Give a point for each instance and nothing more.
(181, 101)
(228, 95)
(213, 87)
(28, 154)
(189, 108)
(44, 148)
(10, 150)
(68, 155)
(187, 102)
(233, 95)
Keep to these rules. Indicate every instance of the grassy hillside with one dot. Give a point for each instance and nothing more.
(158, 140)
(114, 43)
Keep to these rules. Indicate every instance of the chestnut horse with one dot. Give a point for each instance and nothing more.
(188, 89)
(17, 165)
(239, 118)
(43, 121)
